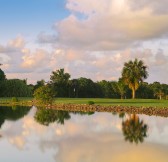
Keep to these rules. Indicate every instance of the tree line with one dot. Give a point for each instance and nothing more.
(14, 87)
(130, 85)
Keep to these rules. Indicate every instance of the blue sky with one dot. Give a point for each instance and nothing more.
(29, 17)
(87, 38)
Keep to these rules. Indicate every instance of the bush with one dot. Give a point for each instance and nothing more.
(44, 95)
(91, 102)
(15, 99)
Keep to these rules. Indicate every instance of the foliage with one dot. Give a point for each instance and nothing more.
(133, 73)
(2, 75)
(91, 102)
(44, 94)
(106, 88)
(134, 129)
(86, 88)
(15, 99)
(60, 82)
(14, 87)
(120, 88)
(39, 84)
(82, 87)
(145, 91)
(159, 90)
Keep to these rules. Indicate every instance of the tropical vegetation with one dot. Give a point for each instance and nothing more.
(130, 85)
(133, 73)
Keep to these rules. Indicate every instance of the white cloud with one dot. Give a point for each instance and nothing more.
(156, 6)
(94, 41)
(109, 25)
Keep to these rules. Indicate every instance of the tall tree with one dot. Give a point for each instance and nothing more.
(120, 88)
(39, 84)
(14, 87)
(60, 81)
(133, 73)
(2, 75)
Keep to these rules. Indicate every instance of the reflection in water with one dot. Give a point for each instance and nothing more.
(134, 129)
(12, 113)
(83, 113)
(82, 138)
(47, 116)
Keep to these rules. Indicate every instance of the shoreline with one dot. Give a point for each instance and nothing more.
(150, 111)
(118, 109)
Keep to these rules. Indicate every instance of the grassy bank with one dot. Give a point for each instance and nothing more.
(99, 101)
(22, 101)
(116, 102)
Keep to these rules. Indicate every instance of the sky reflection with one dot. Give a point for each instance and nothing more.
(85, 138)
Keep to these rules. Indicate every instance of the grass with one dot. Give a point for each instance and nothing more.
(115, 102)
(8, 100)
(101, 101)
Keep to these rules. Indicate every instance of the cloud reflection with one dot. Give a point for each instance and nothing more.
(97, 137)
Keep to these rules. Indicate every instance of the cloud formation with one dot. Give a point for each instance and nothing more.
(109, 25)
(94, 41)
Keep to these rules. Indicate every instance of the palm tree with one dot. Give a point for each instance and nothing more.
(159, 94)
(134, 129)
(133, 73)
(60, 82)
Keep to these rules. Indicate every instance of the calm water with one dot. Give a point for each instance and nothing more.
(31, 135)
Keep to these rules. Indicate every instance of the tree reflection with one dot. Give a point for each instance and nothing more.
(12, 113)
(47, 116)
(83, 113)
(134, 129)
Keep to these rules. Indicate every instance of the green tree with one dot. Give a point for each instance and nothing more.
(159, 90)
(120, 88)
(39, 84)
(2, 75)
(134, 129)
(108, 89)
(133, 73)
(14, 88)
(44, 94)
(86, 88)
(144, 91)
(60, 81)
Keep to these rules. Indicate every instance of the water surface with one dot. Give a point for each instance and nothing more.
(58, 136)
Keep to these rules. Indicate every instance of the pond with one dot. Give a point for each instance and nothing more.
(40, 135)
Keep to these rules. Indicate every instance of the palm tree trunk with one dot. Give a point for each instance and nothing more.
(133, 93)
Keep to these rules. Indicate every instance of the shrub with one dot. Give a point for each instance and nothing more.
(15, 99)
(91, 102)
(44, 95)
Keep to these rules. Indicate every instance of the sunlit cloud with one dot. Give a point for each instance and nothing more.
(94, 40)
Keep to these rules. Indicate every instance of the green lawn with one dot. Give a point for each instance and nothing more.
(124, 102)
(100, 101)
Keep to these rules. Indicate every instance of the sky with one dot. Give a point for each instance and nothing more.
(88, 38)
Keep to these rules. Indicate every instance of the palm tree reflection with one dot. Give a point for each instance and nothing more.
(134, 129)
